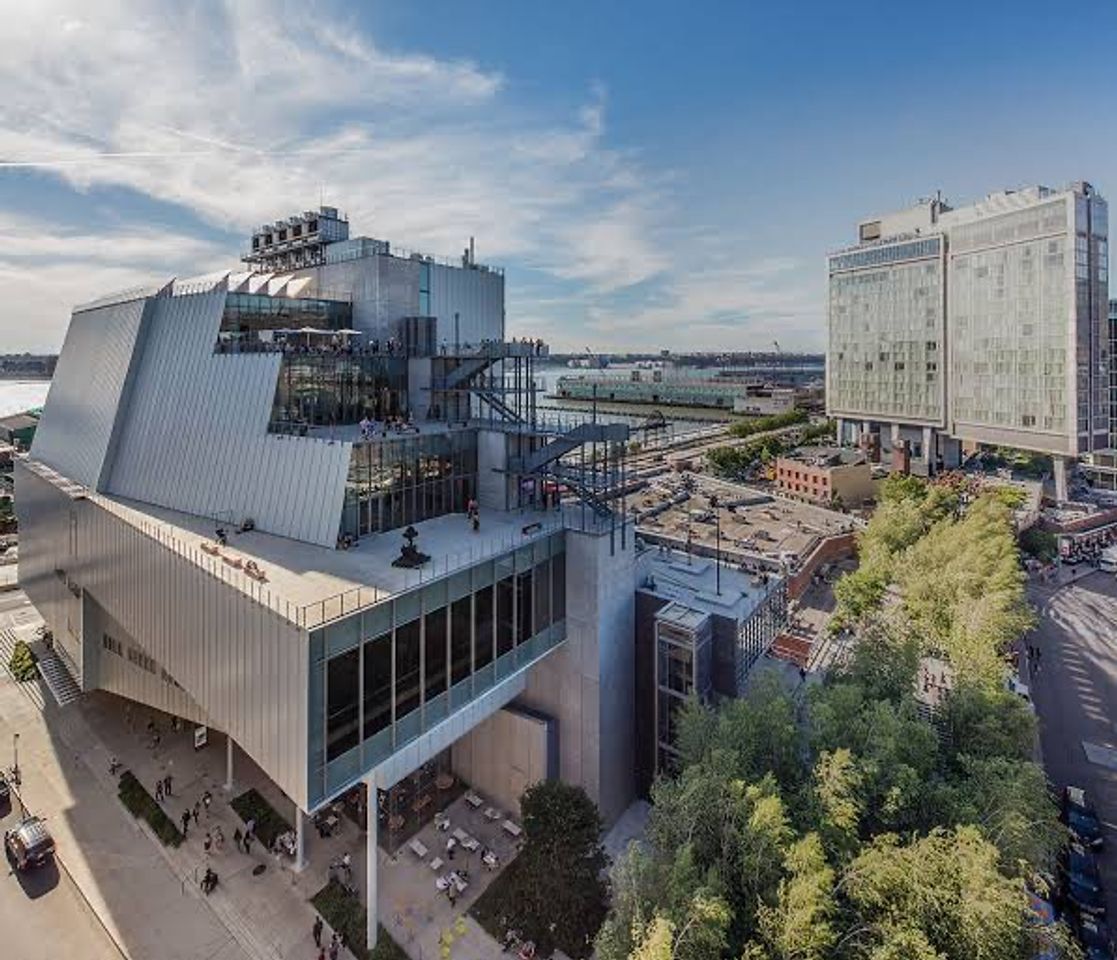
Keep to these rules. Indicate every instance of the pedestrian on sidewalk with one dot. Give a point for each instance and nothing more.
(197, 811)
(168, 780)
(238, 839)
(250, 827)
(218, 839)
(208, 842)
(207, 799)
(158, 791)
(321, 953)
(318, 931)
(248, 843)
(185, 823)
(335, 947)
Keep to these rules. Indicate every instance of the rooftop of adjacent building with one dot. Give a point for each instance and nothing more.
(692, 582)
(933, 215)
(826, 456)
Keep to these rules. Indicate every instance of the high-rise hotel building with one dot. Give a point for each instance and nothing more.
(984, 324)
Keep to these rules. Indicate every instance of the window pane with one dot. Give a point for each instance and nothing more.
(483, 624)
(460, 641)
(378, 684)
(558, 594)
(341, 704)
(435, 660)
(542, 595)
(505, 628)
(407, 668)
(524, 607)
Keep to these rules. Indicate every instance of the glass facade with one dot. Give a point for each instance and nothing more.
(382, 677)
(1009, 278)
(684, 666)
(886, 357)
(330, 389)
(251, 312)
(398, 481)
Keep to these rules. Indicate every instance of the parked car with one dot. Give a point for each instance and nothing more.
(1076, 860)
(28, 844)
(1079, 815)
(1093, 934)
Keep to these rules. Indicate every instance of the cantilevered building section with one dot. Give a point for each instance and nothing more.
(983, 324)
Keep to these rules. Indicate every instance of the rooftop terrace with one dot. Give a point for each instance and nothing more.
(311, 585)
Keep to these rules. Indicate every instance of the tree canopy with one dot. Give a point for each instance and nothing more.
(850, 822)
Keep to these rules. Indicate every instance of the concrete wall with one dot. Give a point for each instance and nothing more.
(588, 684)
(853, 483)
(492, 487)
(505, 755)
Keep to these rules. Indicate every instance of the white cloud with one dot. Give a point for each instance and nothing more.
(246, 110)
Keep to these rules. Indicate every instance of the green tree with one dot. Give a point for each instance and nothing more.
(945, 889)
(560, 895)
(799, 926)
(839, 798)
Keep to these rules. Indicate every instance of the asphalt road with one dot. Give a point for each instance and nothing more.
(1075, 693)
(42, 914)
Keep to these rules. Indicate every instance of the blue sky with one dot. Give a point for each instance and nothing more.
(650, 175)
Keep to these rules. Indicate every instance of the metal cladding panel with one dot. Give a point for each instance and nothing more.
(76, 428)
(477, 296)
(194, 434)
(244, 666)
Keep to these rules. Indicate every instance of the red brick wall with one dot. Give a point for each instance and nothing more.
(832, 548)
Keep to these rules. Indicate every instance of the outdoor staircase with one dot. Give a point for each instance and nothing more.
(61, 685)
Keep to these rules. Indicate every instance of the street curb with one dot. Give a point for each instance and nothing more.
(60, 860)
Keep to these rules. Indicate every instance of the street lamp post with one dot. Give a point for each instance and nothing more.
(717, 553)
(15, 758)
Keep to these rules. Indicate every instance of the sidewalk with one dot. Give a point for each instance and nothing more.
(143, 906)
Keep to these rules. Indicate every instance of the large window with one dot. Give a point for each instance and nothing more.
(461, 647)
(558, 593)
(483, 622)
(407, 668)
(378, 684)
(524, 606)
(342, 685)
(434, 661)
(505, 625)
(396, 482)
(542, 595)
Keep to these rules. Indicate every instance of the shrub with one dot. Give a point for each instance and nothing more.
(22, 664)
(143, 807)
(269, 824)
(346, 914)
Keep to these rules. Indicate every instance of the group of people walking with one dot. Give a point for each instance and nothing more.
(332, 951)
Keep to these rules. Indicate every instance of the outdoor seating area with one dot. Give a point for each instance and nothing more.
(444, 868)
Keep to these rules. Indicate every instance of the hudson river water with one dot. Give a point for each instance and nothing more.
(19, 395)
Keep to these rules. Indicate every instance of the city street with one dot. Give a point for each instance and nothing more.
(43, 915)
(1075, 691)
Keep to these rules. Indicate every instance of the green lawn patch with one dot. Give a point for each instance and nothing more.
(269, 824)
(346, 914)
(142, 806)
(22, 663)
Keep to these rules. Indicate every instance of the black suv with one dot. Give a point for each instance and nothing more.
(28, 844)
